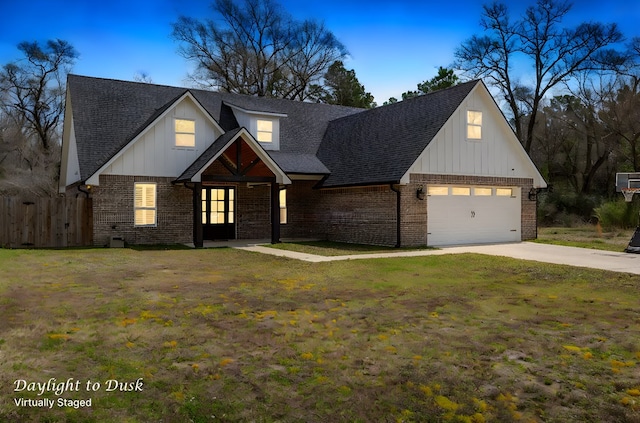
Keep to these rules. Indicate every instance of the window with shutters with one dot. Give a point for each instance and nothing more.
(145, 210)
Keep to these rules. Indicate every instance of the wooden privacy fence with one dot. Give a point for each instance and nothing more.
(45, 222)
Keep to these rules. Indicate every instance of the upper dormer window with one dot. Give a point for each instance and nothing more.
(265, 130)
(474, 125)
(185, 132)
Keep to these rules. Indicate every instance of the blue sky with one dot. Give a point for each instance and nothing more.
(393, 45)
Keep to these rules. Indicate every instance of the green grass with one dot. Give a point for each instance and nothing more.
(587, 236)
(330, 248)
(228, 335)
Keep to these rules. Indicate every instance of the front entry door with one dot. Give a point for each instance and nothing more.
(218, 213)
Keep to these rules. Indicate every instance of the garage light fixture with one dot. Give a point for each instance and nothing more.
(420, 193)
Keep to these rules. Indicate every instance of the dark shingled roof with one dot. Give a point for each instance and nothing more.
(208, 154)
(352, 146)
(108, 114)
(379, 145)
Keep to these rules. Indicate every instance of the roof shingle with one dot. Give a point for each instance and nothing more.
(379, 145)
(352, 146)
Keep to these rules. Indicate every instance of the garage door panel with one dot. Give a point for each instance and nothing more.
(472, 219)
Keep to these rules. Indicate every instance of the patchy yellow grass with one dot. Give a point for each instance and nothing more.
(247, 337)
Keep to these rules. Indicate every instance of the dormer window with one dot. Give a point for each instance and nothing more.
(474, 125)
(265, 130)
(185, 133)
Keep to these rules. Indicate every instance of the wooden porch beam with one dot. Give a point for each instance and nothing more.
(250, 166)
(275, 213)
(198, 234)
(237, 178)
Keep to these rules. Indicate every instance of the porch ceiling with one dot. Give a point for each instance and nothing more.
(235, 157)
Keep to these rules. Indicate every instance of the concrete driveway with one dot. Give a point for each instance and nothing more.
(572, 256)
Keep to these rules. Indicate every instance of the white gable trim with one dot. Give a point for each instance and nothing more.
(530, 170)
(281, 176)
(69, 163)
(255, 112)
(95, 178)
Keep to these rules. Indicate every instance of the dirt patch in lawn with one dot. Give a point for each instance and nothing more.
(227, 335)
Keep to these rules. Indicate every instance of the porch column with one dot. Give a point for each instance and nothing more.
(275, 212)
(198, 240)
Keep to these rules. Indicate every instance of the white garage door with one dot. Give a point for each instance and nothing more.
(472, 214)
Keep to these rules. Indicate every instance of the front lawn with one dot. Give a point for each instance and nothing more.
(330, 248)
(586, 236)
(228, 335)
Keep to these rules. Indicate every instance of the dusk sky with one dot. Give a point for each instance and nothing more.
(393, 45)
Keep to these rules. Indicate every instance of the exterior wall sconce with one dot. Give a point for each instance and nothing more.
(533, 194)
(420, 194)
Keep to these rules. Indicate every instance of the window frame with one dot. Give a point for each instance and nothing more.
(473, 116)
(437, 190)
(145, 207)
(505, 192)
(178, 133)
(263, 131)
(284, 216)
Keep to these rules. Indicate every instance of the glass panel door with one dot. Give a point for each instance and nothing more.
(218, 212)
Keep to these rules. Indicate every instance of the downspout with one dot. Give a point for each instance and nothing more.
(398, 210)
(197, 204)
(85, 192)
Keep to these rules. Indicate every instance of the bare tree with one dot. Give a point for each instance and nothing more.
(32, 92)
(556, 54)
(257, 49)
(621, 117)
(34, 88)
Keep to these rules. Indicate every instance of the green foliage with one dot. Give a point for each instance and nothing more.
(444, 79)
(566, 208)
(617, 214)
(341, 87)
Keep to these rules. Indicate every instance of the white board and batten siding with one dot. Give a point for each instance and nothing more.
(154, 152)
(453, 218)
(498, 153)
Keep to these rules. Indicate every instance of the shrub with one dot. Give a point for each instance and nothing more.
(566, 208)
(617, 214)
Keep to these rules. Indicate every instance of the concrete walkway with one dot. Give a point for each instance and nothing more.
(572, 256)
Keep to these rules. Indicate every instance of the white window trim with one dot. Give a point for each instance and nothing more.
(263, 131)
(283, 207)
(473, 125)
(176, 133)
(154, 207)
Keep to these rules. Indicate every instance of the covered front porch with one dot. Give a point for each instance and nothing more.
(236, 191)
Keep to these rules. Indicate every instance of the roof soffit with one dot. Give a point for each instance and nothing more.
(195, 174)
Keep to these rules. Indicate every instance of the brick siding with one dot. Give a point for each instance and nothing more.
(360, 214)
(113, 211)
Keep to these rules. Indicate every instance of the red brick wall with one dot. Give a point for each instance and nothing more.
(368, 214)
(364, 215)
(253, 212)
(113, 212)
(360, 215)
